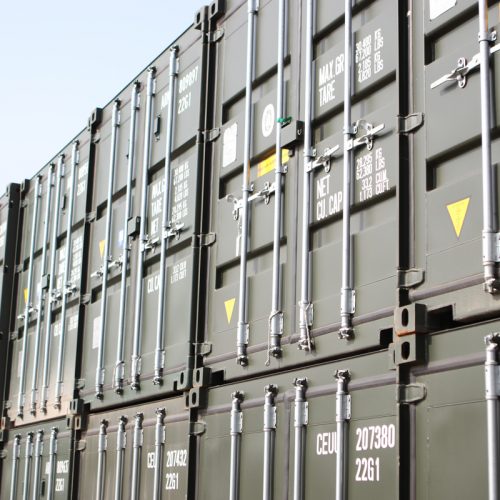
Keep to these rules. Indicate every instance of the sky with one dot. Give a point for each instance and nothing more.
(61, 59)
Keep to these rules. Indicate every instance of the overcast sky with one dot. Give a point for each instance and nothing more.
(61, 59)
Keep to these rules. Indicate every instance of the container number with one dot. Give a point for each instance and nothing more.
(368, 469)
(375, 437)
(172, 481)
(177, 458)
(59, 484)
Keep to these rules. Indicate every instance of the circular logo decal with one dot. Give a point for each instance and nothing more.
(268, 119)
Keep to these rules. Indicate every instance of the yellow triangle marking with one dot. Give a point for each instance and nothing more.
(101, 247)
(25, 295)
(229, 304)
(458, 211)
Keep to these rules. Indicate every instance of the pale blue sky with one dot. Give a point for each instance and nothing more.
(60, 59)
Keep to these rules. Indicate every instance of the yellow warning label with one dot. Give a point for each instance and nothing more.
(269, 164)
(102, 243)
(25, 295)
(229, 304)
(458, 211)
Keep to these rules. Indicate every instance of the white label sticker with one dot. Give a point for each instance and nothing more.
(96, 333)
(438, 7)
(229, 142)
(268, 119)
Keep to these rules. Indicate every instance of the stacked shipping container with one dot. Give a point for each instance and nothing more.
(267, 267)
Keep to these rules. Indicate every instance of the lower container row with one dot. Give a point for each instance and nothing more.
(407, 422)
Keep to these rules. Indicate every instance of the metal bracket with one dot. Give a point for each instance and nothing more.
(410, 123)
(323, 160)
(81, 445)
(265, 194)
(206, 240)
(463, 68)
(211, 135)
(70, 289)
(491, 247)
(410, 278)
(173, 230)
(348, 301)
(365, 139)
(216, 36)
(343, 404)
(203, 348)
(410, 393)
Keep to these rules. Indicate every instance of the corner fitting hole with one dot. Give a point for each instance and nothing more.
(198, 376)
(405, 317)
(198, 18)
(77, 423)
(181, 378)
(187, 400)
(213, 8)
(193, 398)
(405, 350)
(68, 422)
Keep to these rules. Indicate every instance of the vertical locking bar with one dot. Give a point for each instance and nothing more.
(42, 303)
(236, 431)
(343, 415)
(121, 443)
(119, 374)
(276, 316)
(27, 310)
(27, 465)
(490, 226)
(347, 293)
(67, 285)
(242, 331)
(52, 283)
(38, 465)
(102, 446)
(136, 456)
(159, 445)
(305, 305)
(115, 124)
(300, 424)
(136, 353)
(492, 386)
(269, 441)
(16, 451)
(52, 463)
(160, 327)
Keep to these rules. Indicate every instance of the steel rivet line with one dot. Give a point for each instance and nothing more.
(143, 238)
(242, 333)
(99, 376)
(305, 305)
(52, 283)
(27, 310)
(300, 424)
(236, 431)
(43, 306)
(119, 374)
(159, 359)
(68, 286)
(276, 315)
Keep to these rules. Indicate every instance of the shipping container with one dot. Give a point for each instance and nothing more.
(138, 452)
(143, 286)
(37, 461)
(51, 278)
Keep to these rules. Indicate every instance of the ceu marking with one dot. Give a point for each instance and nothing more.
(268, 119)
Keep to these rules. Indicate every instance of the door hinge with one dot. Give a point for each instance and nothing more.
(410, 123)
(205, 240)
(203, 348)
(216, 36)
(211, 135)
(410, 278)
(90, 217)
(80, 383)
(411, 393)
(81, 445)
